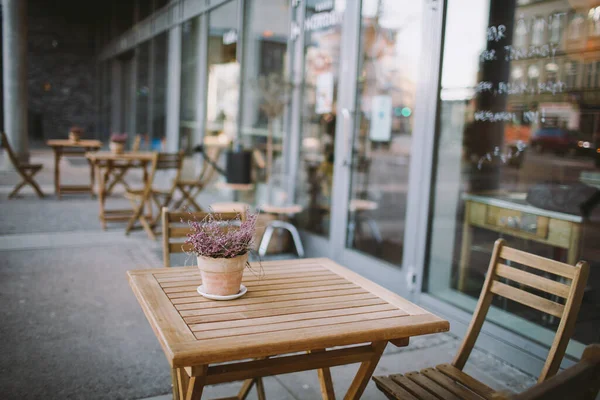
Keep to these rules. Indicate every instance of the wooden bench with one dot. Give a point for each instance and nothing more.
(448, 381)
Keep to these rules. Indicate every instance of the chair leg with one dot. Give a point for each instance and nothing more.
(16, 190)
(266, 239)
(260, 389)
(264, 242)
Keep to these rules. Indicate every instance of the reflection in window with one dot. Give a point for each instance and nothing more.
(521, 33)
(556, 27)
(552, 72)
(572, 71)
(479, 176)
(576, 27)
(517, 75)
(594, 21)
(589, 75)
(539, 28)
(223, 88)
(533, 73)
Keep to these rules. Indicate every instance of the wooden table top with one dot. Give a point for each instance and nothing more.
(298, 305)
(125, 156)
(70, 143)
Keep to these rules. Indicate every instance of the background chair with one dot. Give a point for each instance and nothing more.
(141, 198)
(191, 188)
(175, 230)
(119, 169)
(26, 171)
(448, 381)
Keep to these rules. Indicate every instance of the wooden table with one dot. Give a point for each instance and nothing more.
(70, 148)
(512, 215)
(307, 306)
(107, 160)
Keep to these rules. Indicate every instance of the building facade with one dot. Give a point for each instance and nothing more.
(413, 133)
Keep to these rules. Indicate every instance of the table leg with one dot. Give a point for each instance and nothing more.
(92, 177)
(102, 193)
(175, 383)
(260, 389)
(327, 391)
(57, 154)
(365, 372)
(465, 251)
(195, 384)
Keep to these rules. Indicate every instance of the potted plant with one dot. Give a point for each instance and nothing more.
(222, 247)
(117, 142)
(75, 133)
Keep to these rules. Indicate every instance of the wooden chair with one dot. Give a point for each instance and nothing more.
(26, 171)
(175, 230)
(190, 188)
(119, 170)
(448, 381)
(141, 198)
(579, 382)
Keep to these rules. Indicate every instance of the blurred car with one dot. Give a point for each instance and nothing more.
(562, 141)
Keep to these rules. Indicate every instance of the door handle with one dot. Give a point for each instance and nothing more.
(346, 115)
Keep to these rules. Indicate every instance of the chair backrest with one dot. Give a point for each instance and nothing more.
(581, 381)
(175, 230)
(137, 141)
(162, 162)
(6, 146)
(570, 287)
(208, 170)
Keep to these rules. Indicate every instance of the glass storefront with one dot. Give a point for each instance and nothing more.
(517, 152)
(509, 143)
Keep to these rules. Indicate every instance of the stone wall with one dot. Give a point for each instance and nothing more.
(62, 69)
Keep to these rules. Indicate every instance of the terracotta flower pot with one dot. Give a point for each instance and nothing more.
(222, 276)
(116, 148)
(74, 136)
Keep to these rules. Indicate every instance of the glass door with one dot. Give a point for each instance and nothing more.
(379, 135)
(320, 29)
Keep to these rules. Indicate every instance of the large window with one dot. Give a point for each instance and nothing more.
(189, 125)
(143, 90)
(266, 87)
(159, 91)
(513, 162)
(223, 90)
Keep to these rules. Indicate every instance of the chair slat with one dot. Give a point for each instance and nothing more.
(414, 388)
(537, 262)
(481, 389)
(179, 231)
(180, 247)
(532, 280)
(391, 389)
(431, 386)
(450, 384)
(528, 299)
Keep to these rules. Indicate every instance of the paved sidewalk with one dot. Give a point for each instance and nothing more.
(72, 329)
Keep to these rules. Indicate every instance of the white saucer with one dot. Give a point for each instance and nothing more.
(243, 290)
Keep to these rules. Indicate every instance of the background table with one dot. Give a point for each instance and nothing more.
(507, 214)
(107, 160)
(77, 149)
(308, 305)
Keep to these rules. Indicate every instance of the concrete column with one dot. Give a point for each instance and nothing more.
(14, 41)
